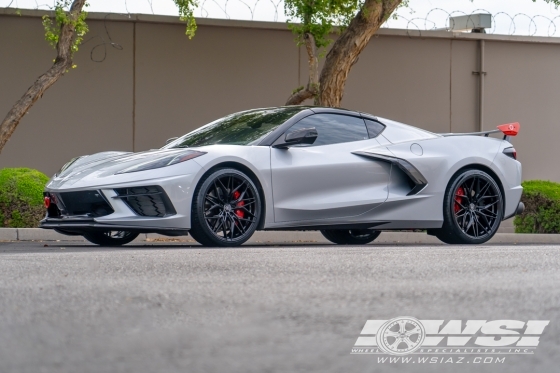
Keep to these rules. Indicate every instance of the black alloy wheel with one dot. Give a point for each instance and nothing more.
(110, 238)
(226, 209)
(473, 209)
(350, 236)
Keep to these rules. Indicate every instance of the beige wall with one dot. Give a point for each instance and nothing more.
(162, 85)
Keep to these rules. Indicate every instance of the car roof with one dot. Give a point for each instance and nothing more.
(325, 109)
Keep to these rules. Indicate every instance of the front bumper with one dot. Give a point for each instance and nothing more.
(76, 225)
(177, 189)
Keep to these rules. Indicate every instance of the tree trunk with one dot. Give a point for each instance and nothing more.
(312, 88)
(347, 48)
(62, 63)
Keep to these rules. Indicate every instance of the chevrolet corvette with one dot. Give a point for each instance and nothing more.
(345, 173)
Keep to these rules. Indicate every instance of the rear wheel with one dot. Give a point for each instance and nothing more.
(226, 209)
(350, 236)
(110, 238)
(472, 209)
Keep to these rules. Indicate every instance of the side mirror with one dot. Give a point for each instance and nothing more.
(302, 136)
(171, 140)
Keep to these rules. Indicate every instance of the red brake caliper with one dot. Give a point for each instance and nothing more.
(239, 212)
(460, 192)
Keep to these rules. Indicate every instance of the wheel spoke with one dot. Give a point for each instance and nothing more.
(413, 331)
(396, 343)
(242, 194)
(218, 192)
(212, 199)
(475, 226)
(218, 224)
(488, 226)
(224, 226)
(232, 227)
(472, 188)
(212, 208)
(407, 341)
(247, 204)
(247, 211)
(237, 187)
(402, 326)
(244, 220)
(477, 191)
(488, 214)
(484, 190)
(469, 225)
(224, 188)
(489, 205)
(250, 199)
(479, 224)
(240, 222)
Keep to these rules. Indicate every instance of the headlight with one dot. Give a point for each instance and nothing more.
(163, 162)
(68, 164)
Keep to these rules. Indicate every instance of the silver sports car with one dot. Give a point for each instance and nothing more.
(345, 173)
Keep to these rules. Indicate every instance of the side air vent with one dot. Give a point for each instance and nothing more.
(149, 201)
(417, 181)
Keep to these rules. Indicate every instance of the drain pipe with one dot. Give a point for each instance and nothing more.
(481, 73)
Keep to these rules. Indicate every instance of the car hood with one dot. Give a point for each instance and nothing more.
(95, 167)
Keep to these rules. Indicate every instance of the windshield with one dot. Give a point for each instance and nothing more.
(244, 128)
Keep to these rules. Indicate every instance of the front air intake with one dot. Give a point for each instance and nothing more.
(90, 203)
(149, 201)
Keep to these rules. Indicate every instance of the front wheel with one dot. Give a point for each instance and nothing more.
(350, 236)
(472, 209)
(226, 209)
(110, 238)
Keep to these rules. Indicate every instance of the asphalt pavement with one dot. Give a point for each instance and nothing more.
(170, 307)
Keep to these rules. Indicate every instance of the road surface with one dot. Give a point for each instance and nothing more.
(72, 307)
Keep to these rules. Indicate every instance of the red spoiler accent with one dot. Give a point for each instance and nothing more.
(510, 129)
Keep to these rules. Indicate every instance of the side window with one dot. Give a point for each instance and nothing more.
(374, 128)
(333, 128)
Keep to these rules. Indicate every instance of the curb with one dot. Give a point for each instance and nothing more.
(283, 237)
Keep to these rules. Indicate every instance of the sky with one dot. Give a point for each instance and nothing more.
(519, 17)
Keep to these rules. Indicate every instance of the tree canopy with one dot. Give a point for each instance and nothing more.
(347, 24)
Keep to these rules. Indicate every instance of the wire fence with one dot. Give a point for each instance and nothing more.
(273, 11)
(502, 23)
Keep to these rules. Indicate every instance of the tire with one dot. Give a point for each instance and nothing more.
(473, 209)
(226, 209)
(350, 236)
(110, 238)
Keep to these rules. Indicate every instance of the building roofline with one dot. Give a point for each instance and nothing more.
(281, 26)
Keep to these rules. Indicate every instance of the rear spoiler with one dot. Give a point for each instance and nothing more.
(508, 129)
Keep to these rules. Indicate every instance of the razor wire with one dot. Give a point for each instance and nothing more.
(517, 24)
(273, 11)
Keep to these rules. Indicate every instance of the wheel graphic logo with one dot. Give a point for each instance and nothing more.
(401, 336)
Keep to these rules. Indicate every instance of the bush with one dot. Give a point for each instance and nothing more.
(542, 208)
(21, 197)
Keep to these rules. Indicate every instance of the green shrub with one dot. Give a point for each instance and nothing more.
(542, 208)
(21, 197)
